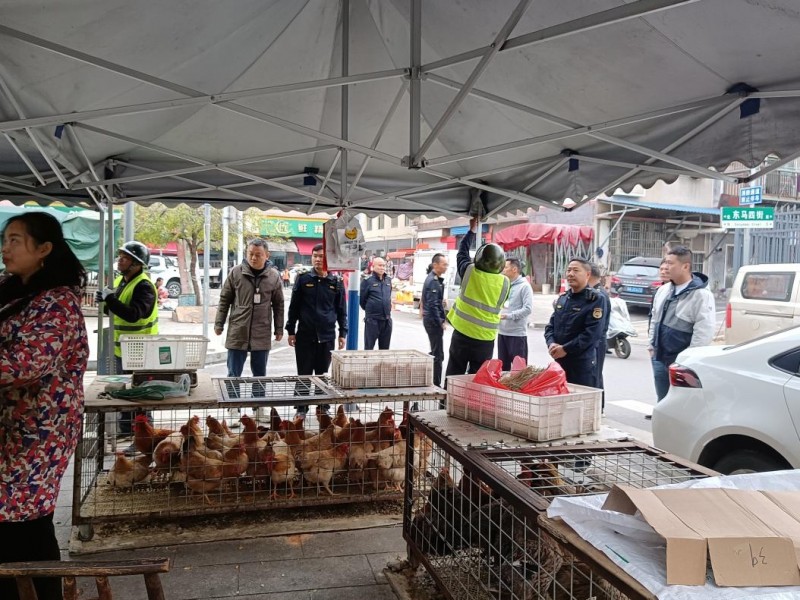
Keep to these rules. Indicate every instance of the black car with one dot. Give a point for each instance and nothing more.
(637, 280)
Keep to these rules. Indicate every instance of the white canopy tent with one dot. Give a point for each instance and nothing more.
(389, 106)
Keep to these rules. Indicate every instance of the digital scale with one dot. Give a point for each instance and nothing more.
(140, 377)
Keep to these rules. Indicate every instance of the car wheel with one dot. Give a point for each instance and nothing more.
(622, 348)
(174, 288)
(748, 461)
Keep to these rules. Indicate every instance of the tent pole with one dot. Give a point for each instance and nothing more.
(206, 260)
(415, 102)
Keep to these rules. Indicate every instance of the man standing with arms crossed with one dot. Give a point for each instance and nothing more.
(317, 305)
(475, 316)
(376, 302)
(683, 316)
(513, 333)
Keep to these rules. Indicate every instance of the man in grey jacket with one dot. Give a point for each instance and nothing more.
(512, 339)
(253, 295)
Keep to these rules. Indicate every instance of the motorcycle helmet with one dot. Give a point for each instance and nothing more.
(136, 250)
(490, 258)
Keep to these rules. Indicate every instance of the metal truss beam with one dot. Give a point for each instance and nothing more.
(768, 169)
(479, 69)
(619, 14)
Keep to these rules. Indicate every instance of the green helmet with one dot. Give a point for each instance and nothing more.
(490, 258)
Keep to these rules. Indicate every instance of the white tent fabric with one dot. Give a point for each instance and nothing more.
(527, 103)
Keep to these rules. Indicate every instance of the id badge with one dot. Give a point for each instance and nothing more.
(257, 298)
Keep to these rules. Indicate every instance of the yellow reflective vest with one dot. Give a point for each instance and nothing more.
(476, 312)
(145, 326)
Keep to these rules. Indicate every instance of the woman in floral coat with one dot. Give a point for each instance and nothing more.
(43, 355)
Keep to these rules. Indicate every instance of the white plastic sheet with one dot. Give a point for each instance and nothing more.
(633, 545)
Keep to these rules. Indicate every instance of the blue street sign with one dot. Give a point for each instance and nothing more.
(750, 195)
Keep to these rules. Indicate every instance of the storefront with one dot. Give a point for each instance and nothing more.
(291, 239)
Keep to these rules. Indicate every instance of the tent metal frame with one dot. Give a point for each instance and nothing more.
(100, 188)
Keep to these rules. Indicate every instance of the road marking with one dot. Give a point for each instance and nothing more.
(634, 405)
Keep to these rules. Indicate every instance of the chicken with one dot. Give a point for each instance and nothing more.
(145, 436)
(340, 420)
(217, 438)
(543, 476)
(126, 472)
(300, 447)
(235, 462)
(280, 466)
(203, 474)
(320, 466)
(324, 419)
(390, 464)
(383, 429)
(357, 458)
(253, 444)
(274, 419)
(166, 455)
(192, 430)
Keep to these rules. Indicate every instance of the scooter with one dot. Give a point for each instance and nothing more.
(620, 328)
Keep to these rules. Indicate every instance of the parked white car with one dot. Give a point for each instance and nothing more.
(735, 409)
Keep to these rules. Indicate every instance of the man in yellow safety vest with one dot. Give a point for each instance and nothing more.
(475, 315)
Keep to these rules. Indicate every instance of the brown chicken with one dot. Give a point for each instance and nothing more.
(126, 472)
(167, 454)
(192, 430)
(217, 438)
(543, 476)
(357, 458)
(280, 467)
(324, 419)
(320, 466)
(340, 420)
(235, 462)
(145, 436)
(203, 474)
(300, 447)
(383, 428)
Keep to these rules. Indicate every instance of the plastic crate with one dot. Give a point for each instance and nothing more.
(537, 418)
(355, 369)
(163, 352)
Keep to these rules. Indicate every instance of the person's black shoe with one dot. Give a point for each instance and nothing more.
(415, 407)
(608, 351)
(649, 417)
(130, 451)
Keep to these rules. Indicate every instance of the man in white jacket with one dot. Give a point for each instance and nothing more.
(683, 315)
(512, 339)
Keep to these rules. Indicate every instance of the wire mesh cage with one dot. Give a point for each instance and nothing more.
(471, 516)
(250, 452)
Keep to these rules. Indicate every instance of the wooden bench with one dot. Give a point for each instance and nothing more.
(24, 572)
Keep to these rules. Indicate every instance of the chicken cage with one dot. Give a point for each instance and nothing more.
(471, 517)
(193, 458)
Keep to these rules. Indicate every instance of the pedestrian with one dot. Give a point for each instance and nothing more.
(576, 326)
(596, 283)
(683, 316)
(43, 357)
(376, 302)
(433, 316)
(292, 276)
(317, 306)
(132, 304)
(253, 295)
(475, 316)
(161, 292)
(512, 338)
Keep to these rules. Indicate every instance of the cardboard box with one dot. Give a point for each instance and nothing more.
(752, 538)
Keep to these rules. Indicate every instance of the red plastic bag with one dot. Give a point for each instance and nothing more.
(550, 382)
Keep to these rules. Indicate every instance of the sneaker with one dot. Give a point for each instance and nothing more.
(299, 415)
(130, 451)
(233, 418)
(324, 409)
(351, 407)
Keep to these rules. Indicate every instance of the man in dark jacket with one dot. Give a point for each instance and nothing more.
(576, 326)
(433, 315)
(317, 305)
(376, 302)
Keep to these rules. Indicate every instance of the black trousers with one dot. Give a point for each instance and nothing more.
(581, 370)
(467, 354)
(30, 541)
(436, 339)
(377, 330)
(601, 359)
(312, 358)
(509, 346)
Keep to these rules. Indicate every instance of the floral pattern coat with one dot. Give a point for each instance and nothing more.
(43, 354)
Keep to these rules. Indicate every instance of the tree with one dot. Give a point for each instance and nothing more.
(158, 225)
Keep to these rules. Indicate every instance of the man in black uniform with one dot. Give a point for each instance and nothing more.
(596, 283)
(318, 303)
(376, 301)
(576, 326)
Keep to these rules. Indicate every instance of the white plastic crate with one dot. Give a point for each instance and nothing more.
(535, 418)
(163, 352)
(358, 369)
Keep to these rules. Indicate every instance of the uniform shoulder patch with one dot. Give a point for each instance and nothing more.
(597, 313)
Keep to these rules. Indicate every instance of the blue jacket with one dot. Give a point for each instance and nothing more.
(577, 324)
(433, 300)
(317, 305)
(376, 297)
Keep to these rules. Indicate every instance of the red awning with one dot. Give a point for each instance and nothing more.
(401, 253)
(304, 245)
(543, 233)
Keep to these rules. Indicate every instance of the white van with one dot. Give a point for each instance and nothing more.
(764, 298)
